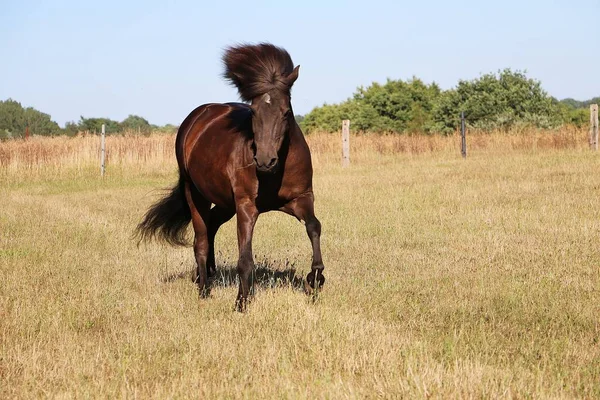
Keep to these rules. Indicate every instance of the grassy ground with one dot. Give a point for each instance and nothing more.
(445, 278)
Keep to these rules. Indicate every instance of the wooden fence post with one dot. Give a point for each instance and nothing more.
(102, 150)
(345, 143)
(594, 126)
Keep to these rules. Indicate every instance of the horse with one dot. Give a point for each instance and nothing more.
(240, 159)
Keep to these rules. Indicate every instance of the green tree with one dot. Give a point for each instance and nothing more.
(168, 128)
(396, 106)
(40, 123)
(71, 128)
(14, 120)
(399, 106)
(94, 125)
(135, 123)
(572, 103)
(576, 112)
(497, 101)
(329, 117)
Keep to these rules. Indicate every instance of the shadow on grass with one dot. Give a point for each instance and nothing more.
(267, 275)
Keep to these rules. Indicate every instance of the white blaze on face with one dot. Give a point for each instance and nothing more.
(267, 98)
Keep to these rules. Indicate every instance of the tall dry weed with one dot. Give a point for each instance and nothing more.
(42, 155)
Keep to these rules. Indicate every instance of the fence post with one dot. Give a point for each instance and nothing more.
(345, 143)
(102, 151)
(463, 135)
(594, 126)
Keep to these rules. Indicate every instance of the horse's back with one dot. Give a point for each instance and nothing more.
(223, 120)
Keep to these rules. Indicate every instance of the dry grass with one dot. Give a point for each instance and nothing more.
(446, 277)
(44, 158)
(41, 157)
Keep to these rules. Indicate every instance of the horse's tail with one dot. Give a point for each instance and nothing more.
(168, 218)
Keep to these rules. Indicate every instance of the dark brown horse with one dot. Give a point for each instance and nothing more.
(244, 159)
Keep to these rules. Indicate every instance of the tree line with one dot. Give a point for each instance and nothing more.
(16, 119)
(502, 100)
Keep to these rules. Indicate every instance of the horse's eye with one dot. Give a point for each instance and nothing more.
(287, 113)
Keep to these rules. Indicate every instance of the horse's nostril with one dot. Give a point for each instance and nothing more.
(272, 162)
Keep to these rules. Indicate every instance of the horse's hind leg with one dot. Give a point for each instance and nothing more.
(303, 209)
(218, 216)
(200, 208)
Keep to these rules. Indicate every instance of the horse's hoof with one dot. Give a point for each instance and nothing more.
(241, 305)
(204, 292)
(309, 284)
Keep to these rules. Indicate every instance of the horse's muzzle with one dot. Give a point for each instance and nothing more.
(269, 166)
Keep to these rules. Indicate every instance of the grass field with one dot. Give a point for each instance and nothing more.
(445, 277)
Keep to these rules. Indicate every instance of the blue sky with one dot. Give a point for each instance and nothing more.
(161, 59)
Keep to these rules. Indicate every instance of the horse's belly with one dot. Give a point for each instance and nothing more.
(212, 183)
(208, 168)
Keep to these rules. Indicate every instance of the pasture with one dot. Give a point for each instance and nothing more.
(445, 277)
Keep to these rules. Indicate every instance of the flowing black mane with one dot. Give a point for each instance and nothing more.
(257, 69)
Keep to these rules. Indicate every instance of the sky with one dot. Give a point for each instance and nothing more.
(161, 59)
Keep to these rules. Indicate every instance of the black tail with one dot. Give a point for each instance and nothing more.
(167, 219)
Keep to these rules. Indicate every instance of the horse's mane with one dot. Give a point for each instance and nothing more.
(257, 69)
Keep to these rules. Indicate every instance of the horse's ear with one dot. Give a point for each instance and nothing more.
(291, 78)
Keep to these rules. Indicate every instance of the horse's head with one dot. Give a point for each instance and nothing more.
(271, 118)
(264, 75)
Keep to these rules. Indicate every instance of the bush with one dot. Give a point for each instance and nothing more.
(493, 101)
(14, 120)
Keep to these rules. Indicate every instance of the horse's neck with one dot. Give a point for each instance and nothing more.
(295, 135)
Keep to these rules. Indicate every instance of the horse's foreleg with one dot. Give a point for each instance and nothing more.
(200, 208)
(303, 209)
(218, 216)
(246, 219)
